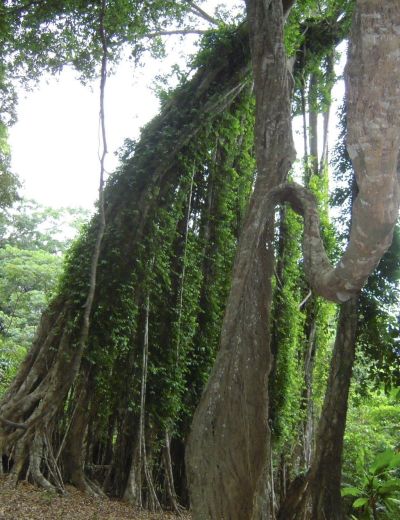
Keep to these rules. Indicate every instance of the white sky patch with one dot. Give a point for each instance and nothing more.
(55, 143)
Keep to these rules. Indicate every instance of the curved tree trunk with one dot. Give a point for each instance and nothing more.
(373, 143)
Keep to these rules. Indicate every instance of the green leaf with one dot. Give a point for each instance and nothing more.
(392, 505)
(395, 393)
(382, 461)
(390, 485)
(360, 502)
(393, 501)
(351, 491)
(395, 461)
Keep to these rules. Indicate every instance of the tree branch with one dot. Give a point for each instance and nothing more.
(198, 11)
(176, 31)
(338, 283)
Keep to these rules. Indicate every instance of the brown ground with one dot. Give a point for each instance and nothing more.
(27, 502)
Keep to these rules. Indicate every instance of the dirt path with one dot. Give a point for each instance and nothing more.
(27, 502)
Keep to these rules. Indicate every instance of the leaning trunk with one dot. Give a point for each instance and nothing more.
(28, 409)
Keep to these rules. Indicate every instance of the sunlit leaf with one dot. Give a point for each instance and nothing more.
(360, 502)
(381, 461)
(351, 491)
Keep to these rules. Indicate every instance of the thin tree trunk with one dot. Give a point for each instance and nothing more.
(133, 490)
(172, 498)
(182, 279)
(313, 125)
(326, 116)
(325, 474)
(323, 480)
(140, 465)
(304, 118)
(309, 361)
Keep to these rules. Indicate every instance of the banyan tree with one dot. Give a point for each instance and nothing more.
(106, 396)
(168, 205)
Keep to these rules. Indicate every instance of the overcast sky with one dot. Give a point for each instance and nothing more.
(55, 141)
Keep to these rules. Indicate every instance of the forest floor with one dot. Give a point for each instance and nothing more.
(27, 502)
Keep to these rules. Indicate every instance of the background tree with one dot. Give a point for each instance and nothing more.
(33, 240)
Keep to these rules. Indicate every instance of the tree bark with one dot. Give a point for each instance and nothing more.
(73, 454)
(326, 469)
(169, 476)
(228, 446)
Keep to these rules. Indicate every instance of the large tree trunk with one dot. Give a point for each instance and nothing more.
(228, 445)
